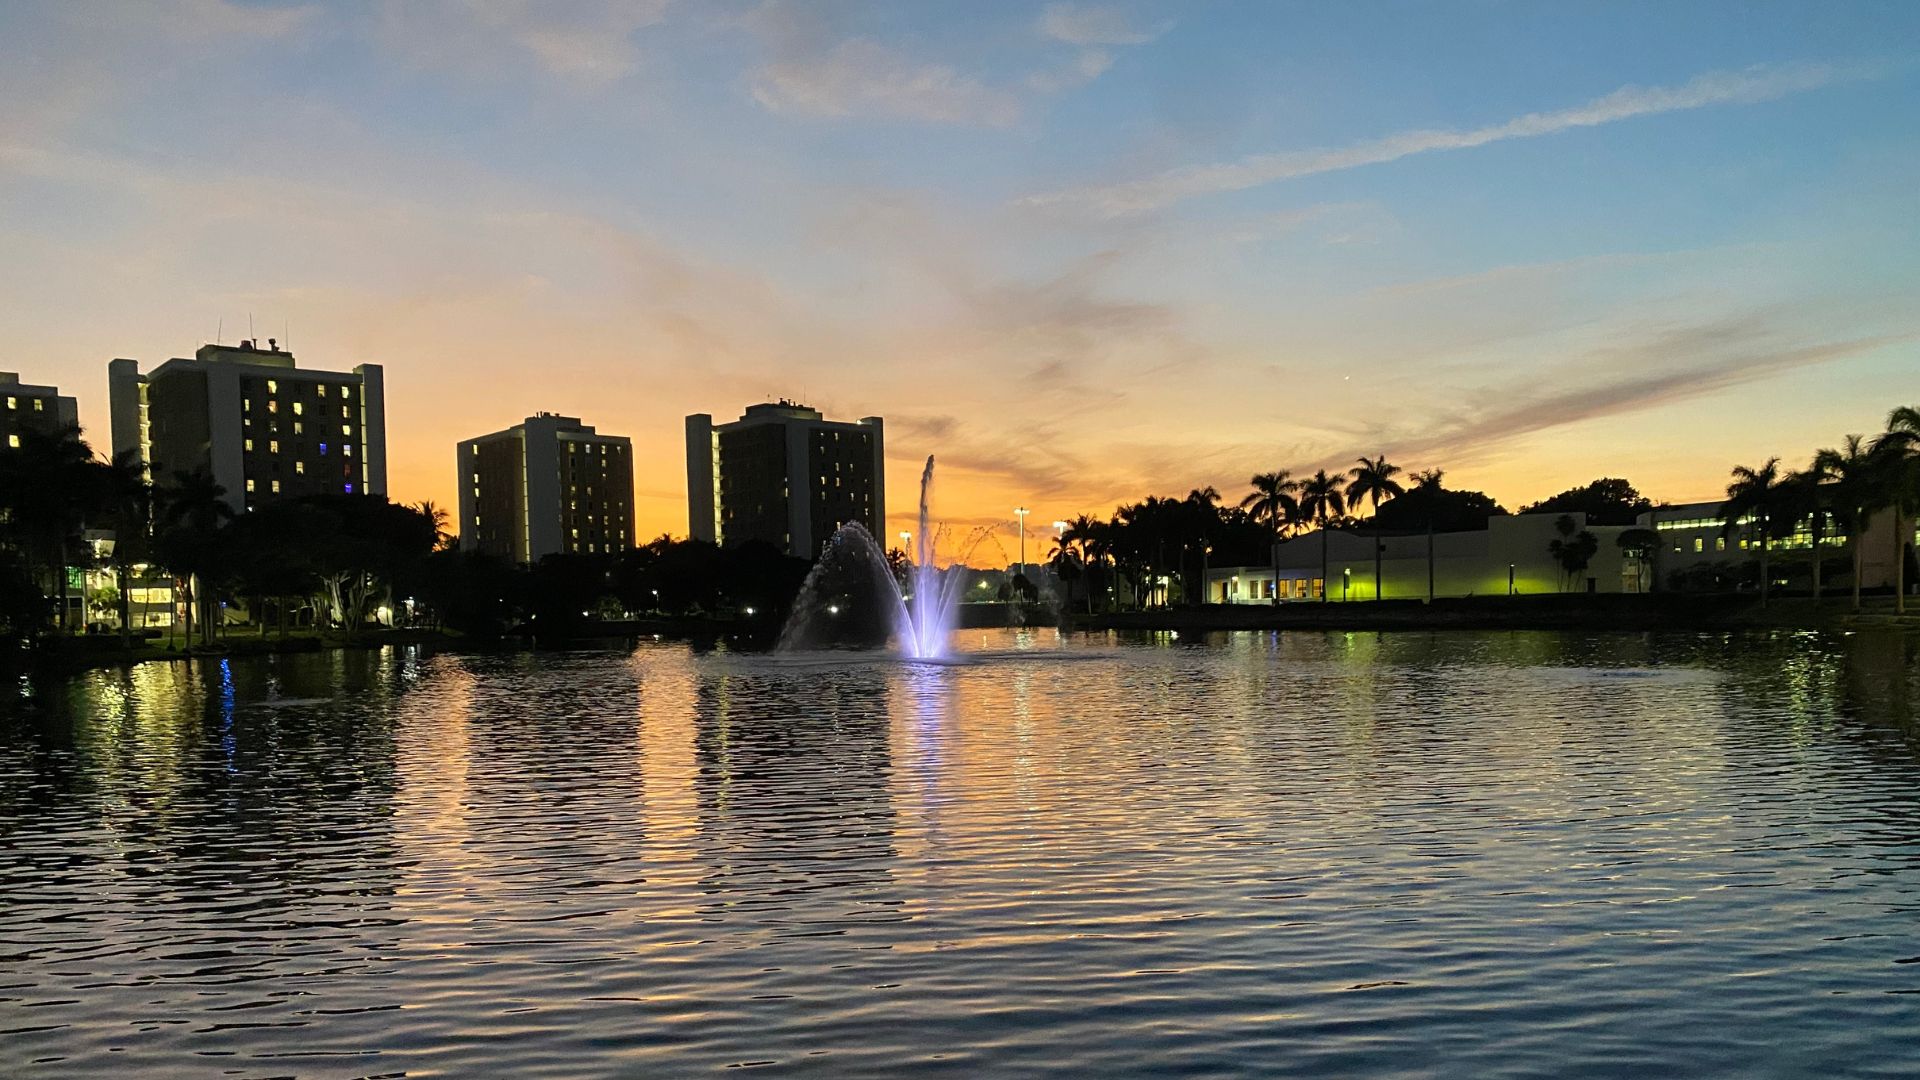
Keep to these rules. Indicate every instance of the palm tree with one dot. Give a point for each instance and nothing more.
(50, 484)
(1081, 536)
(1756, 495)
(129, 504)
(1373, 480)
(194, 508)
(1899, 450)
(1272, 503)
(1804, 495)
(442, 539)
(1858, 483)
(1323, 498)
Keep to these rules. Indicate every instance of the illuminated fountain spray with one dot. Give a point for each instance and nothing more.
(927, 617)
(922, 615)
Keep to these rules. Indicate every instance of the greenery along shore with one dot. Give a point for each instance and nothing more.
(343, 564)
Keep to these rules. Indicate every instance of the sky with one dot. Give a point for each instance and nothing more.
(1080, 252)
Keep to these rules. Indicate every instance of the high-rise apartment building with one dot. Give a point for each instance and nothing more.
(784, 474)
(260, 426)
(33, 408)
(549, 485)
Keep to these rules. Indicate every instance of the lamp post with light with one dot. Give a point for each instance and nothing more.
(1021, 512)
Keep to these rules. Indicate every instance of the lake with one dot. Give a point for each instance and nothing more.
(1395, 855)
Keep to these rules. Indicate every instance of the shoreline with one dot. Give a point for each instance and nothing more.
(1676, 612)
(1560, 613)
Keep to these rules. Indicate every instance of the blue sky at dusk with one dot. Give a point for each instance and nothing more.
(1081, 252)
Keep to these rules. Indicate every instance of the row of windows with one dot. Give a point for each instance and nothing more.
(346, 392)
(273, 446)
(39, 404)
(274, 486)
(273, 408)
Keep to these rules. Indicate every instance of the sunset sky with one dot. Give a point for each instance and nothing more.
(1082, 253)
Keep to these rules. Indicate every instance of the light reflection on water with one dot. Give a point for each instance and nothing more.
(1411, 855)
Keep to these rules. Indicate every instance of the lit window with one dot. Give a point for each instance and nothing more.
(297, 408)
(273, 387)
(1720, 544)
(13, 403)
(298, 427)
(300, 467)
(323, 389)
(273, 406)
(349, 488)
(346, 392)
(39, 404)
(276, 486)
(347, 449)
(323, 449)
(1699, 544)
(346, 429)
(249, 485)
(13, 441)
(344, 413)
(249, 446)
(247, 405)
(273, 446)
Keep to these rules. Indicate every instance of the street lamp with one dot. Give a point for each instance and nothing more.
(1346, 583)
(1021, 512)
(906, 543)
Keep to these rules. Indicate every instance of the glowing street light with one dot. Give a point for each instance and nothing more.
(1021, 512)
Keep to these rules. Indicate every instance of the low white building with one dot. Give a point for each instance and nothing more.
(1512, 556)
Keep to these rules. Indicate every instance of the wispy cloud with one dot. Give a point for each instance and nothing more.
(589, 43)
(1746, 87)
(1659, 371)
(1094, 24)
(862, 76)
(812, 72)
(192, 20)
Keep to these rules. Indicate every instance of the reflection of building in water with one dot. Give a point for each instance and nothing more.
(554, 795)
(794, 793)
(223, 798)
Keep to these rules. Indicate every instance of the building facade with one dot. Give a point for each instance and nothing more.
(33, 408)
(1693, 549)
(1512, 556)
(261, 427)
(786, 475)
(547, 486)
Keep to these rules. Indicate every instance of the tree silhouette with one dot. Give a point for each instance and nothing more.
(1373, 480)
(1322, 499)
(1756, 496)
(1273, 502)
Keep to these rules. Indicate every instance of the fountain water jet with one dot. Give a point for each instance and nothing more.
(923, 614)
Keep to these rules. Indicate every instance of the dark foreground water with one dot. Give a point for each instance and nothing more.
(1316, 855)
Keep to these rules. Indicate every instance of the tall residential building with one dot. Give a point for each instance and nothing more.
(784, 474)
(549, 485)
(33, 408)
(263, 428)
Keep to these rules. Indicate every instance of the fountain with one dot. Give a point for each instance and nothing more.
(852, 577)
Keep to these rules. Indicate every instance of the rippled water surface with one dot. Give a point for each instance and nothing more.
(1319, 855)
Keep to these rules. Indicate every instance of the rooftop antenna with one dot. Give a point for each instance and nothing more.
(220, 330)
(250, 336)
